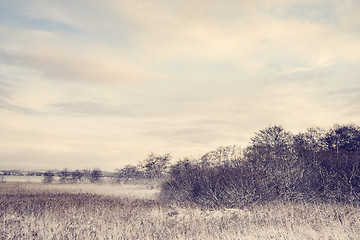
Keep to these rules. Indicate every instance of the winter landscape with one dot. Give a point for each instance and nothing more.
(155, 119)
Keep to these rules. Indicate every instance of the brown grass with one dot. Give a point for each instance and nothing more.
(36, 211)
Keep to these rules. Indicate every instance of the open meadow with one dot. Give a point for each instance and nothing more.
(40, 211)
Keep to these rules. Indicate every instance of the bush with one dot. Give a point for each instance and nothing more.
(221, 185)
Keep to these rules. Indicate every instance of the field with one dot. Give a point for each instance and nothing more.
(39, 211)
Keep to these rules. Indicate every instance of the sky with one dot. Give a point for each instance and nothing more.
(103, 83)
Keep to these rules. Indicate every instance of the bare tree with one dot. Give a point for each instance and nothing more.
(95, 175)
(76, 176)
(155, 166)
(64, 176)
(48, 177)
(86, 175)
(127, 173)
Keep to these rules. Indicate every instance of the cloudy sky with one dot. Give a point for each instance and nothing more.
(102, 83)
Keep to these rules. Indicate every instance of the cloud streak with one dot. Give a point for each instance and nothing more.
(56, 66)
(11, 107)
(91, 108)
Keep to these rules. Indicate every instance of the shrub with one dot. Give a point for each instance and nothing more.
(220, 185)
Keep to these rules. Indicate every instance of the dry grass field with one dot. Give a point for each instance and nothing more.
(38, 211)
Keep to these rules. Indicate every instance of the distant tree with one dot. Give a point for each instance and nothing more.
(155, 166)
(76, 176)
(64, 176)
(48, 177)
(127, 173)
(95, 175)
(86, 175)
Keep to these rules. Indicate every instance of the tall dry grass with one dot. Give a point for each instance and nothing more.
(35, 211)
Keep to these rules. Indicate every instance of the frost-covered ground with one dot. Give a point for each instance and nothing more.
(39, 211)
(104, 189)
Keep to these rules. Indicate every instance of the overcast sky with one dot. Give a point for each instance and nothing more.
(102, 83)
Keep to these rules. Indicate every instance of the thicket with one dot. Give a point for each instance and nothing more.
(277, 165)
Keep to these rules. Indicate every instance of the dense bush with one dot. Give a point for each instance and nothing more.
(311, 166)
(214, 185)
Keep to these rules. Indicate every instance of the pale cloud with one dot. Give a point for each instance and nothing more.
(92, 108)
(68, 57)
(248, 33)
(80, 15)
(58, 66)
(242, 32)
(20, 109)
(347, 13)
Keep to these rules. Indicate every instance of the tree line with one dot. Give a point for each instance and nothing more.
(152, 169)
(277, 165)
(77, 176)
(318, 164)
